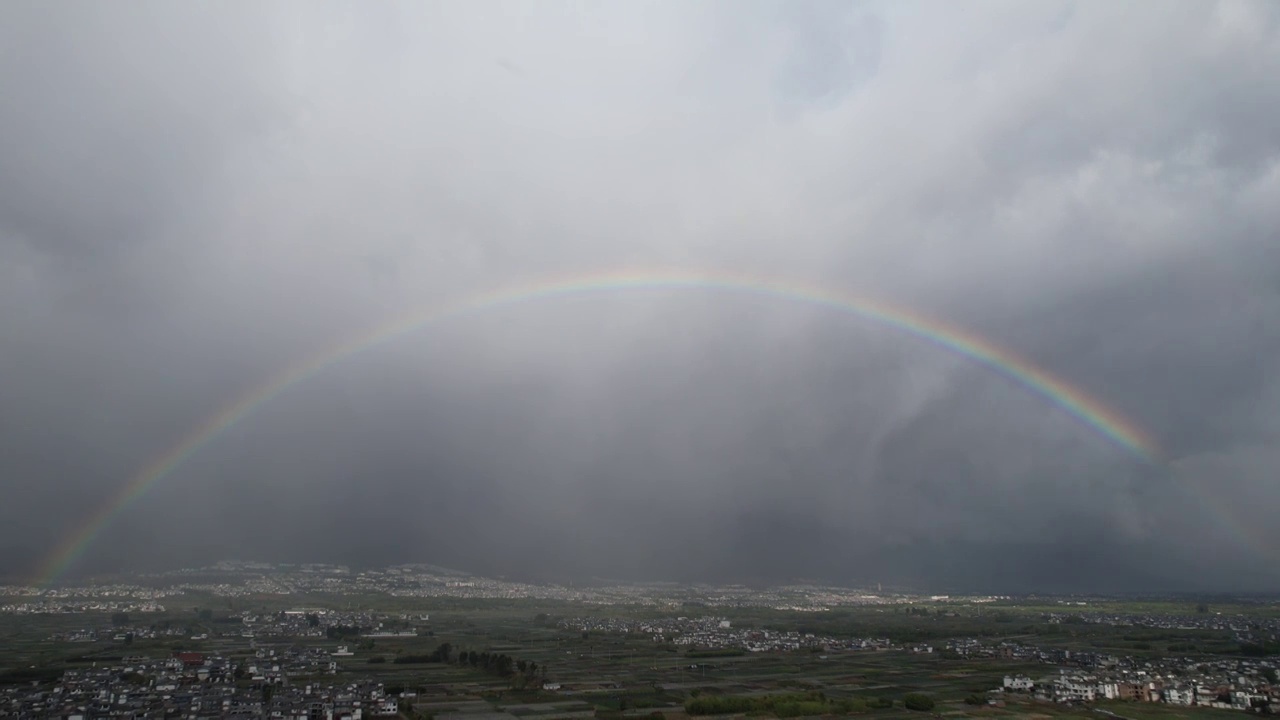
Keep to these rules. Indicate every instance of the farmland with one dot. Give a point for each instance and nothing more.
(475, 649)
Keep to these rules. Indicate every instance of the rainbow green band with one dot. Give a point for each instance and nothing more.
(1092, 413)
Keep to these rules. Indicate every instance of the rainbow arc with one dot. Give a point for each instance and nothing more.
(1104, 421)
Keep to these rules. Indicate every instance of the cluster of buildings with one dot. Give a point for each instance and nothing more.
(121, 591)
(967, 647)
(1089, 676)
(192, 685)
(288, 624)
(719, 633)
(244, 579)
(61, 606)
(304, 623)
(1244, 628)
(1230, 685)
(119, 633)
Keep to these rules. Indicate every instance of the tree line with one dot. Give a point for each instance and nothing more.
(499, 664)
(798, 704)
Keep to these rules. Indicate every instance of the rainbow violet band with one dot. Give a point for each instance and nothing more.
(1092, 413)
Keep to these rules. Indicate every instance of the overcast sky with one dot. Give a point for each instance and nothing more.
(196, 196)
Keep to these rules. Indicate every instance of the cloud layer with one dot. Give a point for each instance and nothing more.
(193, 198)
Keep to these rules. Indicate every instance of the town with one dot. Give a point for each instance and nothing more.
(248, 579)
(327, 642)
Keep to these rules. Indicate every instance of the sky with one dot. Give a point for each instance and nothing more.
(195, 198)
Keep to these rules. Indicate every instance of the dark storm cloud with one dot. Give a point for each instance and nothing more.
(193, 198)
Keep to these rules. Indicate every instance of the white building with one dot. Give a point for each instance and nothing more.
(1070, 688)
(1179, 696)
(1019, 683)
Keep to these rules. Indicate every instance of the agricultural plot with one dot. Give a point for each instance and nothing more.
(596, 673)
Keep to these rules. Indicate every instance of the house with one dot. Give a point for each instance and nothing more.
(1179, 696)
(1018, 683)
(1132, 691)
(1076, 689)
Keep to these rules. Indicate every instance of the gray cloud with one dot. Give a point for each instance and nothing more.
(192, 199)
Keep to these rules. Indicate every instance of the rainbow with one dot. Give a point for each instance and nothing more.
(1224, 510)
(1075, 402)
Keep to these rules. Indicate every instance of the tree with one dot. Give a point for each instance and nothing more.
(1260, 649)
(120, 618)
(1202, 609)
(442, 653)
(917, 701)
(313, 620)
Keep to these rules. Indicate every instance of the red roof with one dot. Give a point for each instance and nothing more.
(190, 658)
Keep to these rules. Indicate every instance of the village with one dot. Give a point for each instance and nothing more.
(1083, 677)
(1228, 685)
(311, 662)
(322, 641)
(203, 686)
(248, 579)
(716, 633)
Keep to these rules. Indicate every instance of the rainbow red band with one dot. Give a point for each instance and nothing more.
(1091, 412)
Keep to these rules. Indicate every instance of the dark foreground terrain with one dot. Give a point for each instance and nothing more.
(228, 647)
